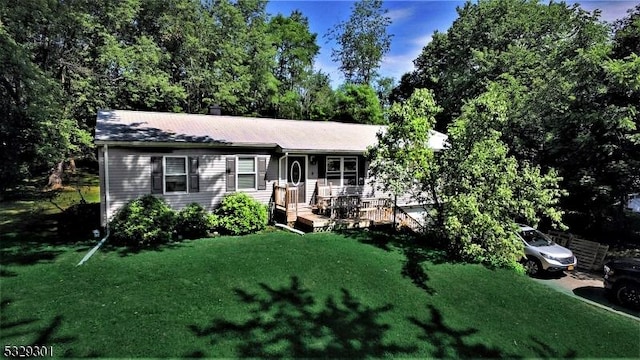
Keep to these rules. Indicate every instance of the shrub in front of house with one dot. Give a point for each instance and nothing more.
(143, 222)
(241, 214)
(194, 222)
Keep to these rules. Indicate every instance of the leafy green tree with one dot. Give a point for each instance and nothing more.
(627, 34)
(384, 88)
(358, 104)
(296, 49)
(362, 41)
(572, 103)
(36, 131)
(491, 38)
(473, 191)
(318, 98)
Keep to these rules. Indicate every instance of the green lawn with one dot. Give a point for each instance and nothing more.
(280, 294)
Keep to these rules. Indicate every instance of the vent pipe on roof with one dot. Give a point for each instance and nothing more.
(215, 110)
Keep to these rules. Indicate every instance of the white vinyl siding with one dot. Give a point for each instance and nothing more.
(246, 173)
(130, 177)
(175, 174)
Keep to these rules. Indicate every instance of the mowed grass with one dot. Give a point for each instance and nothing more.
(280, 294)
(33, 226)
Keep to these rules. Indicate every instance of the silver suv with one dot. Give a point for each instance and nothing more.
(542, 254)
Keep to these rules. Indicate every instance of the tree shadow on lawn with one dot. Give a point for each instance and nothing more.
(31, 238)
(452, 343)
(287, 322)
(42, 334)
(414, 248)
(125, 251)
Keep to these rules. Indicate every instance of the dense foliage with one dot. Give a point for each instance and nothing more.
(194, 221)
(358, 104)
(143, 222)
(474, 190)
(241, 214)
(573, 94)
(61, 61)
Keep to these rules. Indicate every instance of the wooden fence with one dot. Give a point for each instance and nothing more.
(590, 254)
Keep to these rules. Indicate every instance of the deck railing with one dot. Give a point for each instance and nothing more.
(345, 204)
(286, 198)
(348, 203)
(404, 220)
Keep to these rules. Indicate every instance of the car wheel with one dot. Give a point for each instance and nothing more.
(532, 266)
(628, 294)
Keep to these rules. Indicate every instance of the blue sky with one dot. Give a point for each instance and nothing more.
(413, 23)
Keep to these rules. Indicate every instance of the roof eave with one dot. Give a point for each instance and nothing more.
(320, 151)
(179, 144)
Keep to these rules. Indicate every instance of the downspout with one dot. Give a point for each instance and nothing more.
(106, 204)
(107, 198)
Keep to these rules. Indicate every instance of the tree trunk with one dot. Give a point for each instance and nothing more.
(55, 179)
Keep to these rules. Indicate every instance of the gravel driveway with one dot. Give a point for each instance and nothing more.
(586, 286)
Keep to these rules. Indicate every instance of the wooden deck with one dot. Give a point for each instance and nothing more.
(320, 223)
(332, 212)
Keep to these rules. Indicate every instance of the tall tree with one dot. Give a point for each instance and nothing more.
(295, 51)
(362, 41)
(627, 34)
(571, 107)
(318, 98)
(36, 132)
(473, 192)
(296, 48)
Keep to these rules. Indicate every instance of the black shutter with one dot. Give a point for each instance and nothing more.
(361, 170)
(156, 174)
(322, 169)
(194, 176)
(262, 173)
(231, 173)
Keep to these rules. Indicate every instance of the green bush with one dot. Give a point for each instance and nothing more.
(194, 222)
(143, 222)
(240, 214)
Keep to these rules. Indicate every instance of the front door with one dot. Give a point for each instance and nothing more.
(296, 175)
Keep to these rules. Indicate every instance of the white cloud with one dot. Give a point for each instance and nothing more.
(398, 64)
(399, 14)
(422, 41)
(611, 10)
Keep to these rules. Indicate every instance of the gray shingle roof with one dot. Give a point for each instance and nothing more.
(115, 126)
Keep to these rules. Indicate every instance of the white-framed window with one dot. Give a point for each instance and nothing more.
(246, 173)
(342, 170)
(175, 174)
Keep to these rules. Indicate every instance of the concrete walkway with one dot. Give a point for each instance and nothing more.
(587, 287)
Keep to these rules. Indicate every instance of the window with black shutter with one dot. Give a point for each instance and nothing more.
(174, 174)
